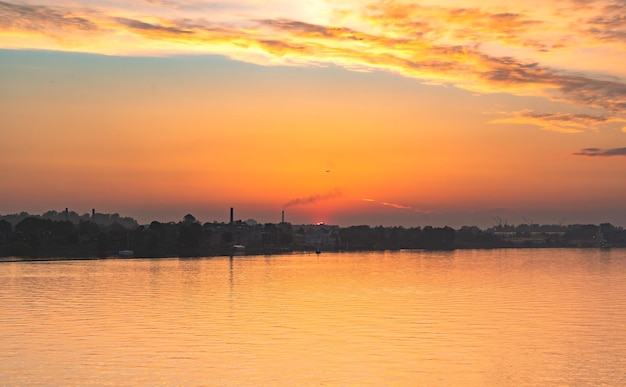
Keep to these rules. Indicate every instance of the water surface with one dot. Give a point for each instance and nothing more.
(552, 317)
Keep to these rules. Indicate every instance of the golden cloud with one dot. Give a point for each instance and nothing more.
(437, 45)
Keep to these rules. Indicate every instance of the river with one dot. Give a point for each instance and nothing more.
(510, 317)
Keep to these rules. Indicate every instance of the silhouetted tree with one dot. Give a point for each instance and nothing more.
(153, 245)
(227, 238)
(30, 226)
(381, 237)
(358, 237)
(32, 230)
(20, 249)
(88, 229)
(393, 241)
(189, 236)
(207, 231)
(189, 218)
(447, 237)
(285, 238)
(5, 226)
(414, 237)
(103, 245)
(438, 238)
(118, 236)
(63, 231)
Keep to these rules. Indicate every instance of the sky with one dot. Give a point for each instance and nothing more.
(394, 113)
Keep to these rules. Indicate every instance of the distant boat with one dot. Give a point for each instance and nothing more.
(239, 249)
(605, 245)
(126, 253)
(602, 243)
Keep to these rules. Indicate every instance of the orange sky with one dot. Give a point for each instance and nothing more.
(394, 113)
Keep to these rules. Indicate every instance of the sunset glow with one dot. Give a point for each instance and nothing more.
(346, 112)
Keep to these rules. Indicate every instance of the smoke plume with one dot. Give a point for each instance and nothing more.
(313, 198)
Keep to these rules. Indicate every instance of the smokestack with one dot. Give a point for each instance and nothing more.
(232, 216)
(67, 214)
(93, 213)
(283, 217)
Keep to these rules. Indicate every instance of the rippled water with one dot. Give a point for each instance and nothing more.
(464, 318)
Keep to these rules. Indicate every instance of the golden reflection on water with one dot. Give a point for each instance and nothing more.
(463, 318)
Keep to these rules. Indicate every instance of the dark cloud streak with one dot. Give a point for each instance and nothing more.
(597, 152)
(139, 25)
(24, 17)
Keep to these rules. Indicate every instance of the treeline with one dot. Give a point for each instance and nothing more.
(57, 236)
(74, 217)
(39, 237)
(365, 237)
(392, 238)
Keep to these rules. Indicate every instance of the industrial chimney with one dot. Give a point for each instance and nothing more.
(232, 214)
(283, 217)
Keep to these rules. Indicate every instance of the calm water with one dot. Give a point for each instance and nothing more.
(464, 318)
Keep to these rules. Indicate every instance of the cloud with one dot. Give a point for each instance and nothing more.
(456, 25)
(143, 26)
(610, 24)
(40, 18)
(387, 204)
(477, 49)
(601, 152)
(559, 122)
(395, 205)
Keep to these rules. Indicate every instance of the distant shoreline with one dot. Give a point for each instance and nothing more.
(277, 253)
(43, 239)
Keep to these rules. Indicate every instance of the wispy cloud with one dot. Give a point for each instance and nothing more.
(149, 27)
(456, 25)
(596, 152)
(396, 205)
(609, 25)
(476, 49)
(388, 204)
(559, 122)
(41, 18)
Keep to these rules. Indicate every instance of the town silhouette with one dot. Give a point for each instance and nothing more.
(67, 234)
